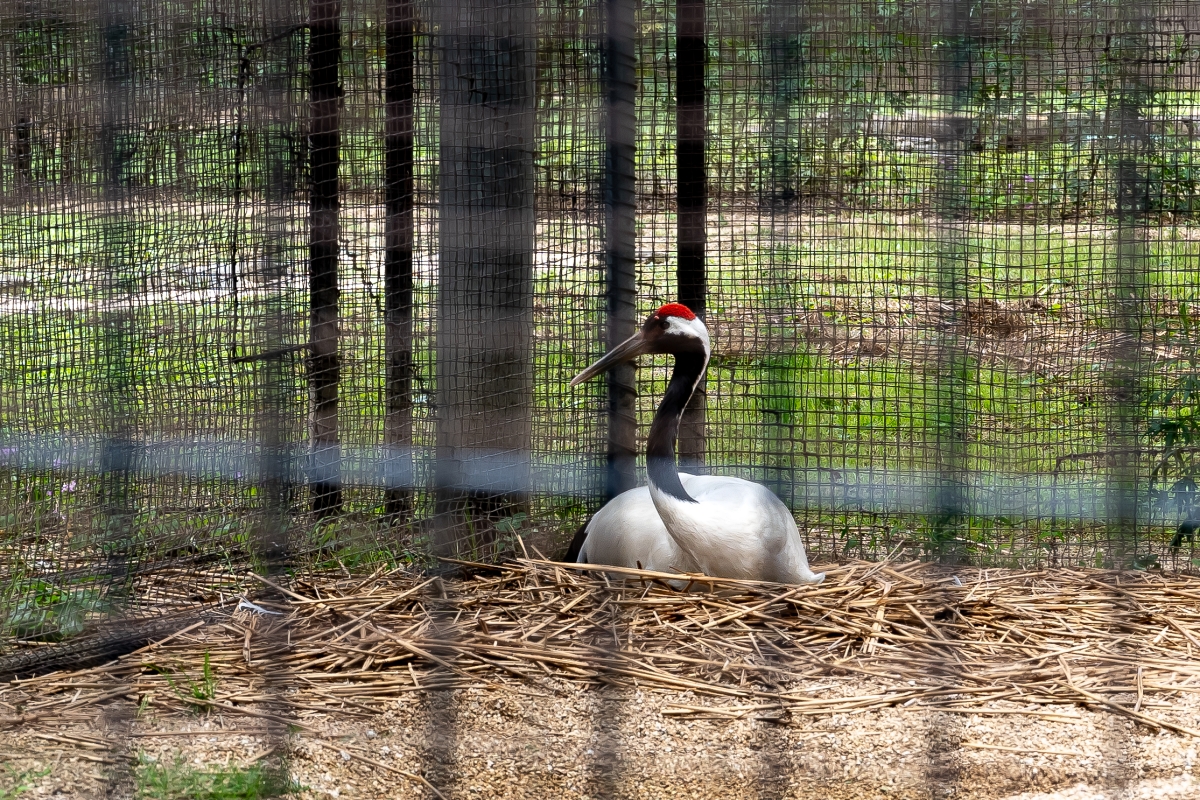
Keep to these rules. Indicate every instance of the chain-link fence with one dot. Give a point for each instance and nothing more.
(304, 285)
(292, 295)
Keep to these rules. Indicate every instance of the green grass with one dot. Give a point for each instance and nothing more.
(780, 402)
(181, 781)
(788, 114)
(16, 783)
(197, 693)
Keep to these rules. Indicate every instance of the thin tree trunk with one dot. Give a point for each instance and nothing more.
(956, 369)
(485, 275)
(278, 69)
(692, 198)
(324, 365)
(621, 210)
(398, 256)
(1130, 149)
(123, 280)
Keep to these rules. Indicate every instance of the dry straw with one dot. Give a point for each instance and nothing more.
(964, 640)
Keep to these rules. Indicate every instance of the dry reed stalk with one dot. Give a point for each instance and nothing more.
(1062, 637)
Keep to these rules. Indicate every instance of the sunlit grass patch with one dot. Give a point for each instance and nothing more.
(181, 781)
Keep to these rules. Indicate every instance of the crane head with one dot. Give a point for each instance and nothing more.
(673, 329)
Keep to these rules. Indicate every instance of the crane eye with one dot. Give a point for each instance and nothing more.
(662, 323)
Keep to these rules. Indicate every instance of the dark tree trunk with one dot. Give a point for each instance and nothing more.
(485, 275)
(324, 365)
(398, 255)
(620, 210)
(692, 197)
(22, 149)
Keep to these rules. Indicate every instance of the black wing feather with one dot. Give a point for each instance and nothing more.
(572, 556)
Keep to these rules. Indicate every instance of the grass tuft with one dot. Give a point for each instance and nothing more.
(179, 781)
(198, 695)
(18, 782)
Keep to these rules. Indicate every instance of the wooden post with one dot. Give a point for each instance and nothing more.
(324, 365)
(398, 247)
(691, 197)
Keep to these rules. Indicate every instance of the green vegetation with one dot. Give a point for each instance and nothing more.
(15, 783)
(198, 694)
(174, 781)
(831, 240)
(44, 611)
(802, 111)
(181, 781)
(826, 358)
(1170, 409)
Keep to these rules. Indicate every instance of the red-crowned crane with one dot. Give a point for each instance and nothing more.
(724, 527)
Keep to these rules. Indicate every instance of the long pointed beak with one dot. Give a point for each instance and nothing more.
(627, 350)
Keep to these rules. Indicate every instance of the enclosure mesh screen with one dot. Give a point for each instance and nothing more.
(290, 285)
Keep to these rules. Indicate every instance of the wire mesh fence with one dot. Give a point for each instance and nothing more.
(304, 285)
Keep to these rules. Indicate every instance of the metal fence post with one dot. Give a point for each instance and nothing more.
(122, 283)
(958, 39)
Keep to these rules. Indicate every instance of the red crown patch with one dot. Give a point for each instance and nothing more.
(676, 310)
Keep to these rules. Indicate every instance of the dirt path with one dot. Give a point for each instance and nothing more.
(510, 742)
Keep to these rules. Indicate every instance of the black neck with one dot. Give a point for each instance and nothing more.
(660, 447)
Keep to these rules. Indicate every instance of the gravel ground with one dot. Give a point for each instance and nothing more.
(564, 740)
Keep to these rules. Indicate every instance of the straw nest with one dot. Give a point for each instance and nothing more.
(950, 640)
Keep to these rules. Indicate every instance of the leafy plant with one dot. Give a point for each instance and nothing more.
(510, 525)
(198, 695)
(18, 782)
(1145, 561)
(1174, 412)
(1171, 408)
(52, 613)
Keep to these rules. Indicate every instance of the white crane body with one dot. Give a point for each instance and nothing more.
(719, 526)
(629, 532)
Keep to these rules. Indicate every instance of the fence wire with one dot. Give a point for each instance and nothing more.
(294, 285)
(941, 249)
